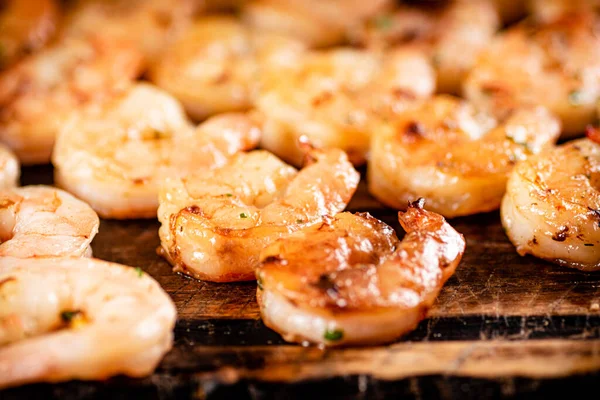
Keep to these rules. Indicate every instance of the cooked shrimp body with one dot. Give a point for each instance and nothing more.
(25, 26)
(40, 93)
(213, 67)
(9, 168)
(552, 205)
(115, 157)
(331, 99)
(452, 34)
(348, 280)
(42, 221)
(456, 157)
(555, 64)
(214, 224)
(550, 10)
(69, 318)
(316, 23)
(148, 25)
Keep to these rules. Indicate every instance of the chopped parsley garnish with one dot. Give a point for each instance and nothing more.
(299, 221)
(524, 144)
(243, 215)
(333, 335)
(139, 271)
(383, 22)
(68, 315)
(259, 282)
(228, 194)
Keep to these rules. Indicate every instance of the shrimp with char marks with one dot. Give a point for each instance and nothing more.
(214, 66)
(39, 94)
(555, 64)
(552, 205)
(214, 224)
(452, 34)
(349, 280)
(103, 319)
(42, 221)
(116, 157)
(457, 157)
(331, 98)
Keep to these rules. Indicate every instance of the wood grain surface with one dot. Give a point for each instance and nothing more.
(504, 326)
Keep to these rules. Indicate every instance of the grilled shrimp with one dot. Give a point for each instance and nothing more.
(40, 93)
(454, 156)
(213, 67)
(148, 25)
(552, 205)
(41, 221)
(214, 224)
(115, 157)
(68, 318)
(348, 280)
(315, 22)
(452, 34)
(553, 64)
(550, 10)
(25, 26)
(9, 168)
(331, 98)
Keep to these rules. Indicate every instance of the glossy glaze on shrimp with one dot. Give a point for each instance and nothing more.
(42, 221)
(214, 66)
(552, 205)
(451, 33)
(316, 23)
(25, 26)
(331, 99)
(348, 280)
(65, 318)
(214, 224)
(551, 10)
(148, 25)
(39, 94)
(457, 157)
(554, 64)
(115, 158)
(9, 168)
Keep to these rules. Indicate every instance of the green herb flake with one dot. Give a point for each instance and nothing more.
(139, 271)
(299, 221)
(575, 98)
(384, 22)
(525, 145)
(259, 282)
(243, 215)
(333, 335)
(68, 315)
(228, 194)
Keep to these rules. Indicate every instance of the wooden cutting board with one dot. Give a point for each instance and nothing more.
(503, 326)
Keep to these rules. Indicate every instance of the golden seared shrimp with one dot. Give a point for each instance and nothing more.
(69, 318)
(552, 205)
(9, 168)
(331, 98)
(556, 65)
(149, 25)
(42, 221)
(213, 67)
(214, 224)
(115, 158)
(550, 10)
(315, 22)
(348, 280)
(456, 157)
(452, 34)
(40, 93)
(25, 26)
